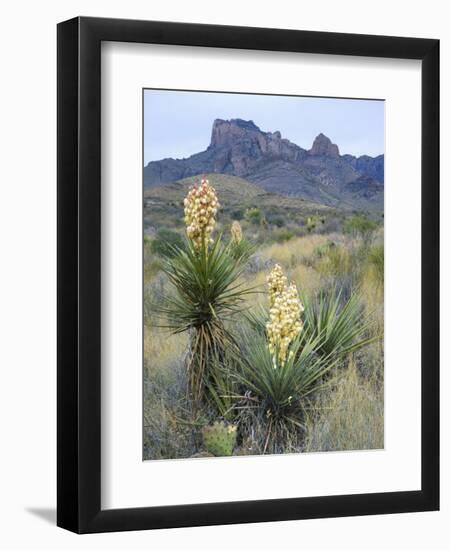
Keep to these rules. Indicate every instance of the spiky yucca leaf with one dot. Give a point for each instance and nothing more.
(343, 325)
(282, 386)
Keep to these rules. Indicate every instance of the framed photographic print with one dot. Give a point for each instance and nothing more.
(232, 345)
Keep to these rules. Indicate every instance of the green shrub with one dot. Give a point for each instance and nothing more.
(253, 216)
(284, 236)
(278, 221)
(323, 250)
(237, 214)
(359, 225)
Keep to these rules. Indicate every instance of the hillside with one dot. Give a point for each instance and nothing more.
(163, 205)
(239, 148)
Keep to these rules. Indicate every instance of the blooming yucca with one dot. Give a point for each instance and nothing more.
(285, 310)
(207, 293)
(200, 209)
(277, 283)
(236, 232)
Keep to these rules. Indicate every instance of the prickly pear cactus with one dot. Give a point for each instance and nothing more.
(219, 438)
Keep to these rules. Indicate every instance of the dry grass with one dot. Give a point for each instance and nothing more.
(350, 415)
(306, 278)
(160, 348)
(292, 252)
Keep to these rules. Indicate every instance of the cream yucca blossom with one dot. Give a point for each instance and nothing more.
(200, 209)
(236, 232)
(285, 310)
(277, 283)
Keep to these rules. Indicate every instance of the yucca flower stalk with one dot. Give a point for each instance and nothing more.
(240, 249)
(284, 316)
(208, 292)
(236, 233)
(276, 283)
(200, 209)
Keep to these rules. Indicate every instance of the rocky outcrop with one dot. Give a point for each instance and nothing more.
(322, 146)
(240, 148)
(372, 166)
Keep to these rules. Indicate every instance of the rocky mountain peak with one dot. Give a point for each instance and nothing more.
(323, 146)
(226, 131)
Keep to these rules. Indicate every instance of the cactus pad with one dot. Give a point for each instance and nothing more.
(219, 438)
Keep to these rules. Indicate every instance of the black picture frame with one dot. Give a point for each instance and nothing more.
(79, 280)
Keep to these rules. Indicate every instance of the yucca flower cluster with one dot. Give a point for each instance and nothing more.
(285, 310)
(277, 283)
(200, 209)
(236, 232)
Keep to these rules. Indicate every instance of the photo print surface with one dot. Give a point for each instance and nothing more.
(263, 274)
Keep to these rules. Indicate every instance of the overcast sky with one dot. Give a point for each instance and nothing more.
(178, 124)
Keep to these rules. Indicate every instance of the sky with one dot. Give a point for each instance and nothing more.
(178, 124)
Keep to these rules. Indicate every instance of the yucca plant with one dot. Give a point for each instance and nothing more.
(281, 393)
(280, 366)
(208, 291)
(343, 326)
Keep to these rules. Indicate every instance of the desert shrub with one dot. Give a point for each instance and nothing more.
(323, 249)
(253, 216)
(314, 222)
(278, 221)
(166, 242)
(359, 225)
(237, 214)
(284, 236)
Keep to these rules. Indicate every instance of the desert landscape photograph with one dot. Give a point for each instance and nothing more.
(263, 274)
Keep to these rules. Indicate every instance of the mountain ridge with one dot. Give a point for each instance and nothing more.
(277, 165)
